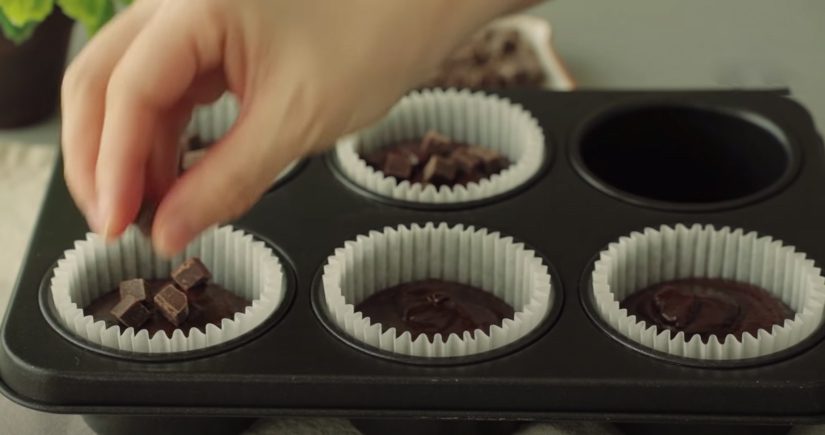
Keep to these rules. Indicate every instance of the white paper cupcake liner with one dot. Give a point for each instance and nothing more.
(210, 123)
(656, 255)
(238, 262)
(464, 116)
(461, 254)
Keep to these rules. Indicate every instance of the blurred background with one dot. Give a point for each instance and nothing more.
(605, 44)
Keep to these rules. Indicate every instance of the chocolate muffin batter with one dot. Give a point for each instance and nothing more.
(434, 306)
(207, 304)
(707, 306)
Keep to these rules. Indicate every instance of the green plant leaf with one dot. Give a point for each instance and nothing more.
(22, 12)
(16, 34)
(93, 14)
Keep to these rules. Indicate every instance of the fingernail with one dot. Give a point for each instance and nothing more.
(107, 230)
(173, 237)
(92, 221)
(104, 214)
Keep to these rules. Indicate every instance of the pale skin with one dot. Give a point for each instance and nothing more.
(305, 72)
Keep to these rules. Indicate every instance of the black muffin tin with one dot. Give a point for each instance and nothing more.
(750, 160)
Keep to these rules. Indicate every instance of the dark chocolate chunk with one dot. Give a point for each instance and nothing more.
(466, 162)
(459, 164)
(135, 288)
(492, 160)
(707, 306)
(398, 165)
(191, 273)
(376, 158)
(439, 170)
(209, 304)
(130, 312)
(434, 306)
(172, 304)
(434, 143)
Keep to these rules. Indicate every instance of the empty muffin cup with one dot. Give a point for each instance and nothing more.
(246, 267)
(687, 269)
(487, 121)
(211, 122)
(680, 157)
(494, 268)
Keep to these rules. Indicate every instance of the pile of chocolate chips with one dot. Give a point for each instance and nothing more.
(138, 299)
(437, 160)
(491, 59)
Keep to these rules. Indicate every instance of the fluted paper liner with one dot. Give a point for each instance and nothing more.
(667, 253)
(241, 264)
(213, 121)
(471, 117)
(461, 254)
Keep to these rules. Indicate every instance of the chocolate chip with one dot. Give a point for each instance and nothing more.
(376, 158)
(397, 165)
(136, 288)
(130, 312)
(434, 143)
(439, 170)
(465, 161)
(191, 273)
(492, 160)
(172, 304)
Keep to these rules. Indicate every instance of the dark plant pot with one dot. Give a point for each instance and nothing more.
(30, 73)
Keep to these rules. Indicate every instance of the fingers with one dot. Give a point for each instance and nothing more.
(221, 186)
(83, 95)
(163, 164)
(162, 167)
(150, 79)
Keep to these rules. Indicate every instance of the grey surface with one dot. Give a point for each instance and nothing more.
(644, 44)
(634, 44)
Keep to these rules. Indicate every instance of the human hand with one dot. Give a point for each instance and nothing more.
(305, 72)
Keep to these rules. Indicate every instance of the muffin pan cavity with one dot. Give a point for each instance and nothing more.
(683, 157)
(737, 164)
(474, 118)
(488, 261)
(249, 269)
(695, 267)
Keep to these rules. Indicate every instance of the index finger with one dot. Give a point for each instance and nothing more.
(153, 76)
